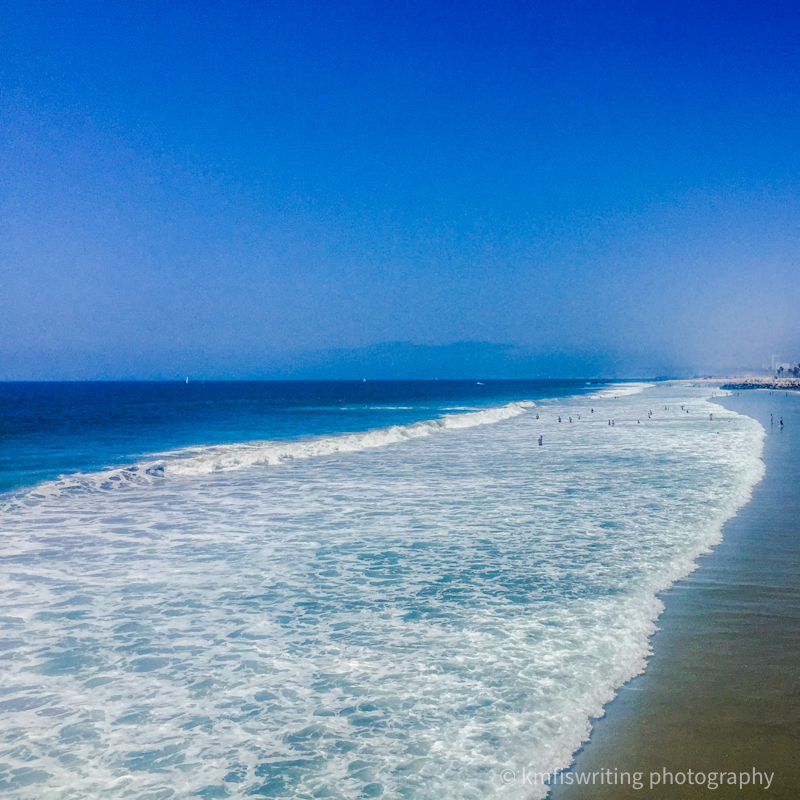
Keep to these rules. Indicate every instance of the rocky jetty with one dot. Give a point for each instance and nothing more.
(781, 384)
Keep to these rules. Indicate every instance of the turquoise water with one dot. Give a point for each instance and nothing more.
(405, 611)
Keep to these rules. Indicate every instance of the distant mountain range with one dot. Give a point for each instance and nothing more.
(402, 361)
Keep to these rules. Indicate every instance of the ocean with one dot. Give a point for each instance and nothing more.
(339, 590)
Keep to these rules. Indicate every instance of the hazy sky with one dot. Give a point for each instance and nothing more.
(213, 188)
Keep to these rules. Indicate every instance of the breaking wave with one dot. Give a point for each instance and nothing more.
(205, 460)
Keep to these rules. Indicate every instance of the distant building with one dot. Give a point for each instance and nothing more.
(783, 367)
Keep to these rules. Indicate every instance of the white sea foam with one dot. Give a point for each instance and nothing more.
(619, 390)
(405, 623)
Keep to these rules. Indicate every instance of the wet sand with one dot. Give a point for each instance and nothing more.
(722, 690)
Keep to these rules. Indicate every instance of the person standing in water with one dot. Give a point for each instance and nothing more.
(540, 440)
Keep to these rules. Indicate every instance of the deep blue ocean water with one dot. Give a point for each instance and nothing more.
(339, 590)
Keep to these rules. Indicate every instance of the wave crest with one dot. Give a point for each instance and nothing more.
(619, 390)
(197, 461)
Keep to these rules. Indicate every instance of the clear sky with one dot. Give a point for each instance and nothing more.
(214, 188)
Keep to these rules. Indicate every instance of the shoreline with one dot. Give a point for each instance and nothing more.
(720, 692)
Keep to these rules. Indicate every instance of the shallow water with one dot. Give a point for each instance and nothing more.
(404, 618)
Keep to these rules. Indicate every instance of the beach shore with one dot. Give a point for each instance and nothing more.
(721, 693)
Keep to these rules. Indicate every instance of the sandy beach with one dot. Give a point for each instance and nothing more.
(721, 694)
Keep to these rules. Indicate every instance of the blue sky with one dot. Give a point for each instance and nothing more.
(215, 189)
